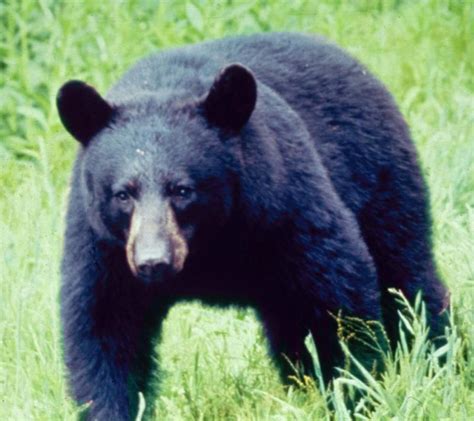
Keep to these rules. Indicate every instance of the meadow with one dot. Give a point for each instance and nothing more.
(214, 362)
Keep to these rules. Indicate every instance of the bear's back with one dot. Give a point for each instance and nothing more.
(349, 114)
(352, 118)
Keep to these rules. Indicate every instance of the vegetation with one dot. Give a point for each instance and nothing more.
(214, 362)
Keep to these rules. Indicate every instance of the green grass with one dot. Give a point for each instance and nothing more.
(215, 364)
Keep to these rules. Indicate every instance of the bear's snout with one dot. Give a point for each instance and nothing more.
(155, 246)
(152, 261)
(153, 269)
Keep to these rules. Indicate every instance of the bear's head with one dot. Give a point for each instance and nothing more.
(158, 174)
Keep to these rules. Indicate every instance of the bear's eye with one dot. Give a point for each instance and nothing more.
(122, 196)
(182, 192)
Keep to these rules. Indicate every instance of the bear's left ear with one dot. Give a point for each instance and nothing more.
(82, 110)
(232, 97)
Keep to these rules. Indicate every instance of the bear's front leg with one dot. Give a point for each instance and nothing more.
(108, 326)
(336, 278)
(286, 329)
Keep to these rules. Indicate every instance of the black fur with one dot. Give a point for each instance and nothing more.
(307, 201)
(231, 99)
(82, 110)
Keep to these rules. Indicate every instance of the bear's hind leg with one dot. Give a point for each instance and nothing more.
(396, 228)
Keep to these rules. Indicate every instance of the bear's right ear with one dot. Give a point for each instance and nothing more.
(232, 97)
(82, 110)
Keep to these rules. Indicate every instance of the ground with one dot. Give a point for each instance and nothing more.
(422, 50)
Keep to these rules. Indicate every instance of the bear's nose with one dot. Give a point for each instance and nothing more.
(153, 269)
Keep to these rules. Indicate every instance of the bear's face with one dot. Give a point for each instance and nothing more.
(152, 188)
(155, 178)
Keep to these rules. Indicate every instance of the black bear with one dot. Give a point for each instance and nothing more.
(270, 171)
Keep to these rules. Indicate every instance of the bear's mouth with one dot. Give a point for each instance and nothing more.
(157, 273)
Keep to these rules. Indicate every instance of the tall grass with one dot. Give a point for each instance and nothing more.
(214, 362)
